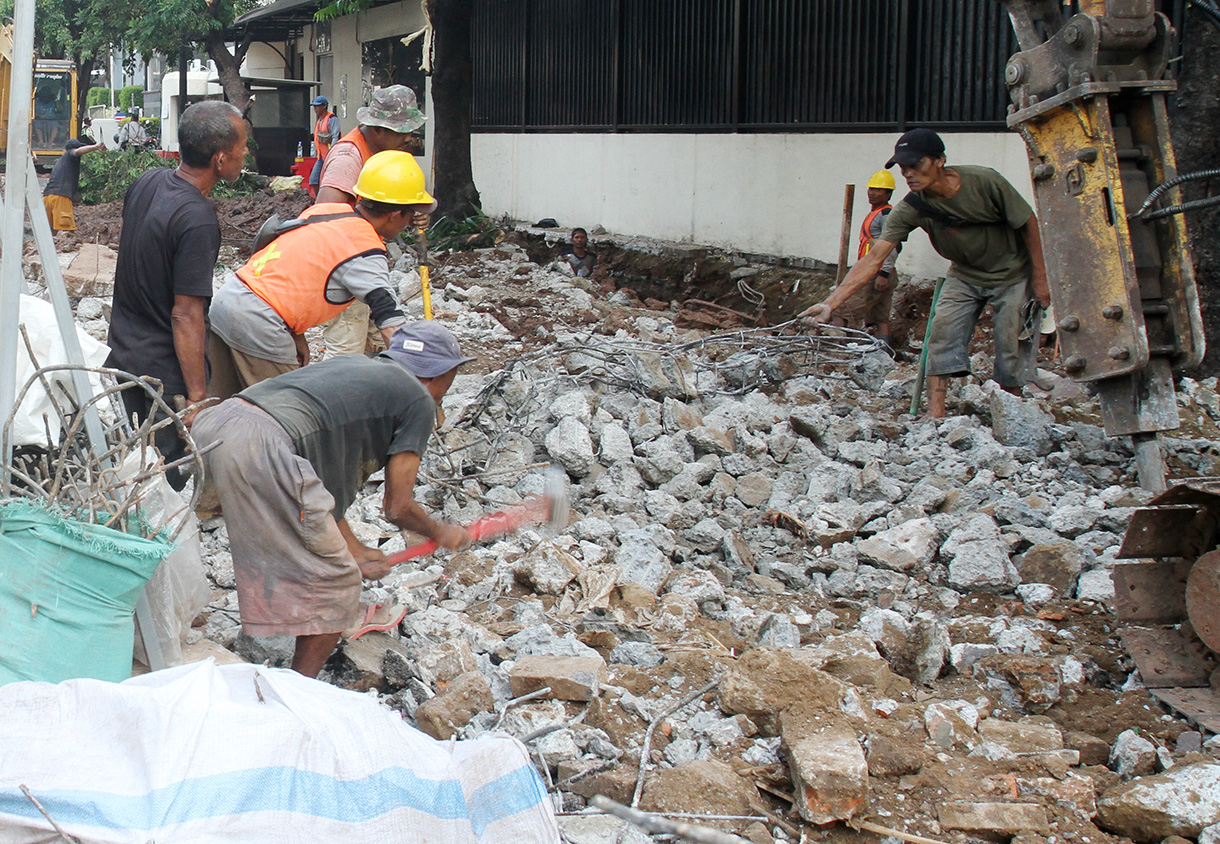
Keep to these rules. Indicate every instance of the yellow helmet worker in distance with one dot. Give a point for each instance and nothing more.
(883, 179)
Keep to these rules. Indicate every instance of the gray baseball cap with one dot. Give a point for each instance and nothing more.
(426, 348)
(393, 108)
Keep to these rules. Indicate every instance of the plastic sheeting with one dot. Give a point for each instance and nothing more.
(207, 753)
(38, 318)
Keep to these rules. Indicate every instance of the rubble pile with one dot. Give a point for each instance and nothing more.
(780, 598)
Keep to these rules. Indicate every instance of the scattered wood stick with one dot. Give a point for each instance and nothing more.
(654, 823)
(71, 839)
(869, 826)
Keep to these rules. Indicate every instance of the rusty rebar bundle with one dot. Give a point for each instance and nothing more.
(97, 483)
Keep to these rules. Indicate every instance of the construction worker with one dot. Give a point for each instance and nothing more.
(386, 123)
(163, 280)
(64, 185)
(318, 265)
(879, 296)
(976, 219)
(326, 131)
(289, 456)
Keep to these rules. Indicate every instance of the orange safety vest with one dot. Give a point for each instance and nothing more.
(290, 273)
(318, 128)
(865, 243)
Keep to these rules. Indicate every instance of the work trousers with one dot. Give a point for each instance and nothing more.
(957, 313)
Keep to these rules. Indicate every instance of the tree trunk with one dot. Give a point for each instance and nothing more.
(84, 72)
(228, 68)
(1196, 136)
(452, 96)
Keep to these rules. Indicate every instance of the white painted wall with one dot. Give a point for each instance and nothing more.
(768, 193)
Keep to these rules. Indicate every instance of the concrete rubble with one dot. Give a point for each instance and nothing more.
(909, 621)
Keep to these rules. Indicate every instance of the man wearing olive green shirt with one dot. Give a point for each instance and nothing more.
(976, 219)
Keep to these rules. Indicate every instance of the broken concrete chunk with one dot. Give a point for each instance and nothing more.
(91, 272)
(547, 569)
(829, 771)
(1026, 683)
(765, 681)
(910, 545)
(1023, 737)
(452, 709)
(1018, 422)
(640, 561)
(952, 724)
(703, 787)
(999, 818)
(570, 445)
(569, 678)
(1182, 801)
(891, 757)
(1132, 755)
(1057, 565)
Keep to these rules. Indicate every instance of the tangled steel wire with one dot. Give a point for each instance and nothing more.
(726, 363)
(99, 483)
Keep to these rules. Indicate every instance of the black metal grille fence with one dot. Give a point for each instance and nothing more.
(741, 65)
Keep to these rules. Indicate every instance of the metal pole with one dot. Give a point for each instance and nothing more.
(12, 280)
(923, 355)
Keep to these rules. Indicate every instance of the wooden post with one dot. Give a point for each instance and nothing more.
(849, 199)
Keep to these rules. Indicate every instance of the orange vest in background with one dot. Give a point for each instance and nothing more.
(865, 244)
(290, 273)
(318, 128)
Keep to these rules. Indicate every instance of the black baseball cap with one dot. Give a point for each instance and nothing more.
(914, 145)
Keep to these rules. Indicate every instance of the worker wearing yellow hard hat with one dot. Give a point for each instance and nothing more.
(879, 295)
(305, 271)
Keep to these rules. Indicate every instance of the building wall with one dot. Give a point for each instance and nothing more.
(777, 194)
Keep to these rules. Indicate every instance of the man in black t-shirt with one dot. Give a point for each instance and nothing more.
(163, 278)
(64, 184)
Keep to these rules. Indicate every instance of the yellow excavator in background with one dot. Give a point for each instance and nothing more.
(1089, 97)
(53, 112)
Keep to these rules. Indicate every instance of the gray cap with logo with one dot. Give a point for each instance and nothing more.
(393, 108)
(426, 348)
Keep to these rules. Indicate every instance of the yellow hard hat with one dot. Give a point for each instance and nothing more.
(882, 179)
(394, 177)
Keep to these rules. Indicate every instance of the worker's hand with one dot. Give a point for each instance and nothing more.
(302, 349)
(881, 283)
(372, 562)
(421, 221)
(1042, 290)
(818, 314)
(453, 537)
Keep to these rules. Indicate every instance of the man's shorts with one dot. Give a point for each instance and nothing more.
(295, 576)
(233, 370)
(957, 313)
(60, 213)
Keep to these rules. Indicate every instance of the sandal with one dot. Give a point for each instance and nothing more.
(375, 617)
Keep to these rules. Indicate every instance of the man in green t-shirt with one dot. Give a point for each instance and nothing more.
(976, 219)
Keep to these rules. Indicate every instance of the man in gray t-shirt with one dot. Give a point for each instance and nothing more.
(288, 456)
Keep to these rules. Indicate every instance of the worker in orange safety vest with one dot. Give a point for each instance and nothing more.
(326, 132)
(312, 269)
(879, 295)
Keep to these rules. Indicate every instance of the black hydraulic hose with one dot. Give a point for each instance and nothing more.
(1194, 205)
(1161, 189)
(1208, 8)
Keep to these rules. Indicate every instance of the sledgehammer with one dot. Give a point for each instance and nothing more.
(550, 508)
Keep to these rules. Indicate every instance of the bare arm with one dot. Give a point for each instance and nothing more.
(302, 349)
(329, 194)
(402, 509)
(79, 151)
(190, 339)
(857, 277)
(1033, 242)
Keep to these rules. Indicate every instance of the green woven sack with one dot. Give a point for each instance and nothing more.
(68, 591)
